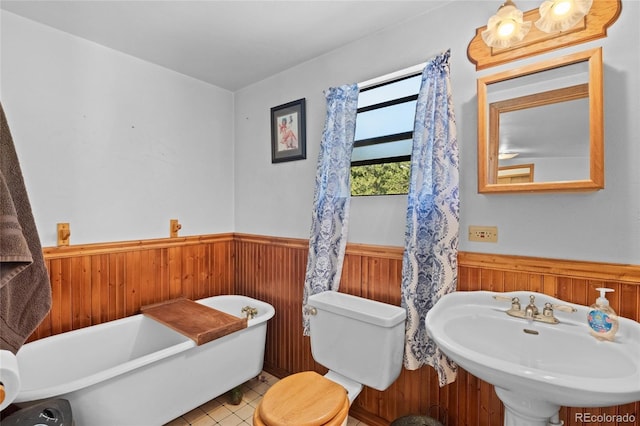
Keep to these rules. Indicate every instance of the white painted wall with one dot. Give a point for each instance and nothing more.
(275, 199)
(111, 144)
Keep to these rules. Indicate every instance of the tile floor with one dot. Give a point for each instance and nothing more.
(221, 412)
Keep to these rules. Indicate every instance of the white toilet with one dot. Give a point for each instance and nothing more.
(360, 341)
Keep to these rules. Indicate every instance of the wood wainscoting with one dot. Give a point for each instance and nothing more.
(96, 283)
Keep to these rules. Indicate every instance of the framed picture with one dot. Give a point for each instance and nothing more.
(288, 132)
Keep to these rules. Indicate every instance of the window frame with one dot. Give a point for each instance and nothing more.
(376, 83)
(386, 138)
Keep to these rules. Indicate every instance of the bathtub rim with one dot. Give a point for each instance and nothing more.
(267, 314)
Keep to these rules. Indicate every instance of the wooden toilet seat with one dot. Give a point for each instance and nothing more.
(303, 399)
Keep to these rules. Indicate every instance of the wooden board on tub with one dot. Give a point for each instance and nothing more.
(198, 322)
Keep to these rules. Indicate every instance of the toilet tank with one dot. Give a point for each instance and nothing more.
(359, 338)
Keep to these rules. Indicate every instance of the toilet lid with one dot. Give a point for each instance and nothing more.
(302, 399)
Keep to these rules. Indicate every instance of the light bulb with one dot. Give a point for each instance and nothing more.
(562, 8)
(506, 28)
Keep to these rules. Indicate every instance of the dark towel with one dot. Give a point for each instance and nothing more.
(14, 250)
(25, 292)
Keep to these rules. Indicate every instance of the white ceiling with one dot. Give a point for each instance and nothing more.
(230, 44)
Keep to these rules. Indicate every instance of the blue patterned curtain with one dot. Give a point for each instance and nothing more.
(429, 266)
(330, 215)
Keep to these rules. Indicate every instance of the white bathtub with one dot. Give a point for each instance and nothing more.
(135, 371)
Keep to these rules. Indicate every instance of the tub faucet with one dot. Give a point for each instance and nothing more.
(249, 311)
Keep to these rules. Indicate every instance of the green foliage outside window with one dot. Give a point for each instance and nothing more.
(380, 179)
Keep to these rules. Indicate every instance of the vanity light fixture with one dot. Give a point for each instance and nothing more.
(506, 26)
(562, 15)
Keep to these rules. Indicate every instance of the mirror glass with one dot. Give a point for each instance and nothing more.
(540, 126)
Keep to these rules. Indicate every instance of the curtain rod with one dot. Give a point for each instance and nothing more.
(392, 76)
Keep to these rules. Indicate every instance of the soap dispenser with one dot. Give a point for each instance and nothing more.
(602, 319)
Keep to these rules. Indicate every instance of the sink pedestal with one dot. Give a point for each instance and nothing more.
(522, 410)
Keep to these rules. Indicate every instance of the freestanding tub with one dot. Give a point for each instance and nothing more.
(136, 371)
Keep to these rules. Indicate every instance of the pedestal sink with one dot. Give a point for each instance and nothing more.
(537, 367)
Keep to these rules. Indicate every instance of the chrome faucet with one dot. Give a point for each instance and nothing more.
(532, 312)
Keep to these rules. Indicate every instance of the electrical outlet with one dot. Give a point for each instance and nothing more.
(483, 234)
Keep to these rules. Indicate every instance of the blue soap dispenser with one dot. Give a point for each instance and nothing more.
(602, 319)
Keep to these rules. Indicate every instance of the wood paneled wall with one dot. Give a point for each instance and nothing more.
(95, 283)
(102, 282)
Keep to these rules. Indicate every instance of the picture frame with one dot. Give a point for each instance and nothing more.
(288, 132)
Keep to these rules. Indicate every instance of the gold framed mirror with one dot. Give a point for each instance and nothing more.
(547, 116)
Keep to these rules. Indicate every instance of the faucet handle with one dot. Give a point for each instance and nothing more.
(515, 302)
(550, 307)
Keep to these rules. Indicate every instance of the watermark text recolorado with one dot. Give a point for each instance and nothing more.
(620, 419)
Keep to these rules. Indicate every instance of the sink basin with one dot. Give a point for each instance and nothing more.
(537, 367)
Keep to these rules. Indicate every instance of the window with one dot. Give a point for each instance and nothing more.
(381, 159)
